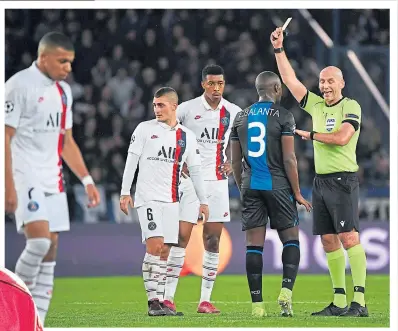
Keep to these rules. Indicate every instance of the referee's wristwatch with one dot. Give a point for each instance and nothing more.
(279, 50)
(312, 135)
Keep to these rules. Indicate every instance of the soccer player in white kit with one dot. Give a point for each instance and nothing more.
(38, 136)
(160, 147)
(210, 117)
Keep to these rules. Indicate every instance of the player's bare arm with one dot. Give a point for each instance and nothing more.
(286, 71)
(10, 193)
(290, 164)
(74, 159)
(341, 137)
(237, 161)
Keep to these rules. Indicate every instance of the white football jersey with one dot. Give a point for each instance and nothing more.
(212, 129)
(162, 151)
(40, 110)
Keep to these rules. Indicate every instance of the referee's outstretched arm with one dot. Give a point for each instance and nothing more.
(285, 69)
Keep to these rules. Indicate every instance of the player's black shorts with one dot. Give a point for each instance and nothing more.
(335, 200)
(278, 205)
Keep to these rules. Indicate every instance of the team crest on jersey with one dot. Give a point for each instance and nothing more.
(225, 121)
(151, 226)
(181, 143)
(330, 124)
(197, 117)
(33, 206)
(63, 97)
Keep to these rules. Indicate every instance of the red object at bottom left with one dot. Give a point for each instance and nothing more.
(17, 309)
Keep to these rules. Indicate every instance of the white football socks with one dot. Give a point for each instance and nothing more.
(175, 263)
(162, 280)
(28, 264)
(150, 273)
(42, 293)
(210, 265)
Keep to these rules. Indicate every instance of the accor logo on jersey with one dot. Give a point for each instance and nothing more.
(54, 120)
(209, 136)
(167, 154)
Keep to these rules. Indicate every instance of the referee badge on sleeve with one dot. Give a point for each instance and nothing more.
(352, 116)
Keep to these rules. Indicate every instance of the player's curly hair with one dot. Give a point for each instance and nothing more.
(211, 69)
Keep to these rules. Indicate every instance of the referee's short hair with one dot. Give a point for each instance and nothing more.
(56, 39)
(167, 91)
(211, 69)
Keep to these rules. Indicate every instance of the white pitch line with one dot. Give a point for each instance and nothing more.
(192, 302)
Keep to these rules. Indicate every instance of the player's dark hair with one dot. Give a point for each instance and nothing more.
(164, 91)
(211, 69)
(57, 39)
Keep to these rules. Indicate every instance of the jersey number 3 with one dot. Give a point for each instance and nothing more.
(257, 139)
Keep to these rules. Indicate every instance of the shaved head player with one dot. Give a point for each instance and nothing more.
(336, 126)
(263, 135)
(38, 136)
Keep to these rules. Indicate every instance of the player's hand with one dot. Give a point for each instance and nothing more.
(226, 168)
(204, 212)
(185, 171)
(125, 201)
(301, 201)
(11, 200)
(277, 38)
(93, 196)
(305, 135)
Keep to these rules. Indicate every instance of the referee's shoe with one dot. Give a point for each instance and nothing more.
(331, 310)
(356, 310)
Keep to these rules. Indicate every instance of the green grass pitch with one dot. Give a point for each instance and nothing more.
(121, 302)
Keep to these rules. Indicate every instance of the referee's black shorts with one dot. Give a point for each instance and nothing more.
(335, 199)
(277, 205)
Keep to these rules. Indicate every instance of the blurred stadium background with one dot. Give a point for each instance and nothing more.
(123, 56)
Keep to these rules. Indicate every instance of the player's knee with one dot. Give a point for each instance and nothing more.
(330, 242)
(211, 243)
(154, 248)
(38, 246)
(291, 252)
(165, 252)
(349, 239)
(37, 229)
(254, 259)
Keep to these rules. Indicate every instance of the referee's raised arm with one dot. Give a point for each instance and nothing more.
(285, 69)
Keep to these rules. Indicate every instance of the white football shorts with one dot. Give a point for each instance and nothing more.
(217, 194)
(35, 205)
(159, 219)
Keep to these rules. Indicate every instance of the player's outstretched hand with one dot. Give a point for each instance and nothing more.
(125, 201)
(277, 38)
(11, 200)
(204, 211)
(300, 199)
(226, 168)
(93, 196)
(305, 135)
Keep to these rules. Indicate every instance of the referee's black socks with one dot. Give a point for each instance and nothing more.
(290, 261)
(254, 271)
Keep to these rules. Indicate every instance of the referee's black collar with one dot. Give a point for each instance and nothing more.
(334, 104)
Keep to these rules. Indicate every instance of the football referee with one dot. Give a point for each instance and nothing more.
(336, 126)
